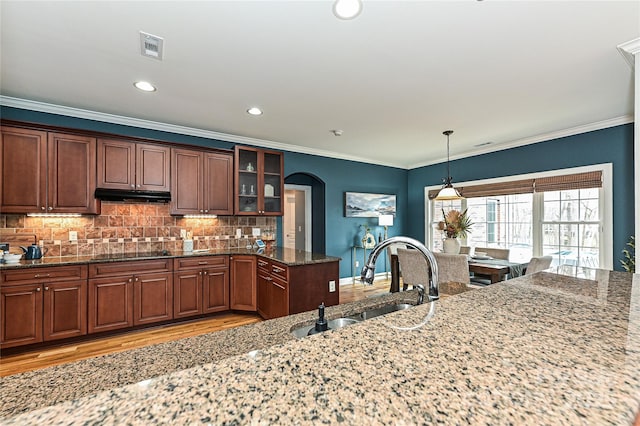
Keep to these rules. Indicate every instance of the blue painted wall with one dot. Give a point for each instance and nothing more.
(612, 145)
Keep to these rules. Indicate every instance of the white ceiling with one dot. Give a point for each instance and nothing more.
(506, 72)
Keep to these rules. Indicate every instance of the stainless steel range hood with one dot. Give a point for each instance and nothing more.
(133, 196)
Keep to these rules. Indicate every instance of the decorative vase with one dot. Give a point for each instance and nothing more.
(451, 246)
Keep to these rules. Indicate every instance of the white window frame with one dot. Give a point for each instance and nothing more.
(605, 206)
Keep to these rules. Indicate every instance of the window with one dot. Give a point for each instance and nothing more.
(571, 227)
(565, 214)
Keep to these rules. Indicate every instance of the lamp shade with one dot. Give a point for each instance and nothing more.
(448, 193)
(385, 220)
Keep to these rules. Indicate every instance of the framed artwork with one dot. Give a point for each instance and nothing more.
(362, 204)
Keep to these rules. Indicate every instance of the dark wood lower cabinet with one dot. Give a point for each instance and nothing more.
(153, 298)
(42, 304)
(200, 286)
(124, 294)
(243, 283)
(110, 303)
(50, 303)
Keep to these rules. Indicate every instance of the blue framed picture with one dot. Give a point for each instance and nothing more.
(363, 204)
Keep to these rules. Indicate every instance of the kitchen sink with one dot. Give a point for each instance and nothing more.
(334, 324)
(372, 313)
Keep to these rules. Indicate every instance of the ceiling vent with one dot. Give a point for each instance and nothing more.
(151, 45)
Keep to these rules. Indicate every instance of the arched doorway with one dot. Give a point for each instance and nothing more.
(317, 234)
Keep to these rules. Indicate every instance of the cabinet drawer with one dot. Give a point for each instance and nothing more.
(280, 271)
(280, 282)
(50, 274)
(200, 261)
(264, 265)
(113, 269)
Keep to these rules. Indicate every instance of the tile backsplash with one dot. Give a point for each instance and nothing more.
(133, 228)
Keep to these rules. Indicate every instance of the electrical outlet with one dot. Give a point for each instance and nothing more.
(357, 264)
(255, 232)
(73, 235)
(183, 234)
(238, 233)
(332, 286)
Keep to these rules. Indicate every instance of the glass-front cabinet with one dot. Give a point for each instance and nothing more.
(259, 182)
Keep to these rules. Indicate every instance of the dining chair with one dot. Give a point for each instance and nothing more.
(496, 253)
(453, 270)
(538, 264)
(413, 268)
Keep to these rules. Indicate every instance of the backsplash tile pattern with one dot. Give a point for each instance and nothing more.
(133, 228)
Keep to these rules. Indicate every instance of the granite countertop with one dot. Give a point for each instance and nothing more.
(548, 348)
(289, 257)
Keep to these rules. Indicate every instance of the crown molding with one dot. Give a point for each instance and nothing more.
(172, 128)
(628, 50)
(263, 143)
(544, 137)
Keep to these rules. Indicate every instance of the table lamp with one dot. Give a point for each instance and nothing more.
(385, 220)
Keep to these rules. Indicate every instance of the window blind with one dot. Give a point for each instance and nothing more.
(525, 186)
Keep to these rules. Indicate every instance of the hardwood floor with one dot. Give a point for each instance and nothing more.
(47, 357)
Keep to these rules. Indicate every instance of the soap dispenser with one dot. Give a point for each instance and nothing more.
(321, 322)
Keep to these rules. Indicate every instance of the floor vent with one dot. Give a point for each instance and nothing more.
(151, 45)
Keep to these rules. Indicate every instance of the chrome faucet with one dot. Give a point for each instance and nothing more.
(369, 269)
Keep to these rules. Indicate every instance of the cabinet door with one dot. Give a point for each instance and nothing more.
(187, 293)
(110, 303)
(272, 183)
(243, 283)
(72, 174)
(21, 315)
(186, 182)
(247, 182)
(153, 298)
(65, 310)
(23, 178)
(259, 182)
(218, 184)
(116, 164)
(215, 289)
(279, 299)
(152, 167)
(263, 284)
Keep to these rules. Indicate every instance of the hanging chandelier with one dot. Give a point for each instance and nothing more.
(448, 192)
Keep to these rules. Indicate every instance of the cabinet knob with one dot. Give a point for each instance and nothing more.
(46, 288)
(133, 186)
(138, 185)
(42, 208)
(206, 211)
(50, 208)
(136, 279)
(200, 273)
(205, 272)
(38, 289)
(130, 279)
(201, 211)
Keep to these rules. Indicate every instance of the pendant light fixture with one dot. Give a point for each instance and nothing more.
(448, 192)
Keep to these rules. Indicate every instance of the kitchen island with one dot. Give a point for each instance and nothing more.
(549, 348)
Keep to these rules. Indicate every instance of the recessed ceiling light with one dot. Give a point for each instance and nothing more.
(337, 132)
(254, 111)
(347, 9)
(145, 86)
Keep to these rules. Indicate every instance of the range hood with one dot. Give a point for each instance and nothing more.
(133, 196)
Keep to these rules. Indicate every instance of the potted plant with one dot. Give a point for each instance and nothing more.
(454, 225)
(629, 262)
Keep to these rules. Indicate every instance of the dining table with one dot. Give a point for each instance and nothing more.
(496, 269)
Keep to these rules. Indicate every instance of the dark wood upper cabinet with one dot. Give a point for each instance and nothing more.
(259, 182)
(202, 182)
(47, 172)
(133, 166)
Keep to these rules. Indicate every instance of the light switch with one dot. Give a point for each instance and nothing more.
(73, 235)
(332, 286)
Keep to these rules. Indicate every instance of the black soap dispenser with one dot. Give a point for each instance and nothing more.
(321, 322)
